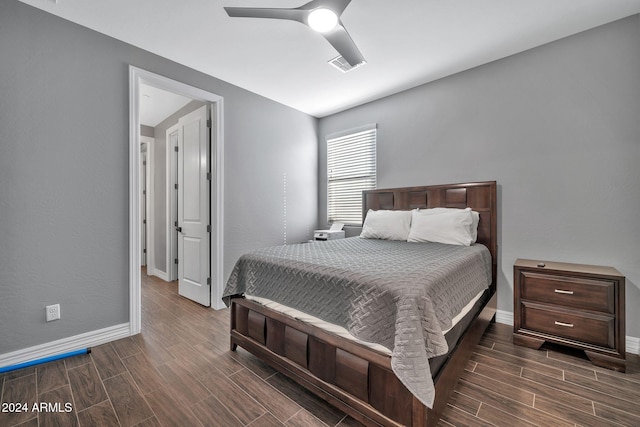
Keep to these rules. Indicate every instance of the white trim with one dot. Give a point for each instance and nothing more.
(505, 317)
(161, 274)
(65, 345)
(633, 345)
(217, 201)
(151, 252)
(135, 310)
(171, 208)
(138, 76)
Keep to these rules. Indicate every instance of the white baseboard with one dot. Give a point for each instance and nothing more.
(633, 343)
(65, 345)
(505, 317)
(161, 274)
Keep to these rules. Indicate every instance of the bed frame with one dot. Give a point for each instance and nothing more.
(350, 376)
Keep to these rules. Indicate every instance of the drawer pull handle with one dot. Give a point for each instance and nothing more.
(568, 325)
(560, 291)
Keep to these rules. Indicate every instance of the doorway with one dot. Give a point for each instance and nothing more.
(138, 77)
(146, 203)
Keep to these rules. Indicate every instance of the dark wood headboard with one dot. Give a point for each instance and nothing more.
(480, 196)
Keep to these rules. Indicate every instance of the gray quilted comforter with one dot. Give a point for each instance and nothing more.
(398, 294)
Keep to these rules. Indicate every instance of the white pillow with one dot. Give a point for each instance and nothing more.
(386, 225)
(475, 215)
(442, 225)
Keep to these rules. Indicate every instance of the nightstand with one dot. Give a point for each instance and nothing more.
(577, 305)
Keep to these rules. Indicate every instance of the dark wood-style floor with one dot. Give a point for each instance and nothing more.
(180, 372)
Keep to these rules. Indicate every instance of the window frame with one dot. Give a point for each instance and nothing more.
(370, 153)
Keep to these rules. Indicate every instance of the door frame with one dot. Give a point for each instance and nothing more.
(150, 235)
(172, 205)
(138, 76)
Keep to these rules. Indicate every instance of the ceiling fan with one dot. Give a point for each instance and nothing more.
(322, 16)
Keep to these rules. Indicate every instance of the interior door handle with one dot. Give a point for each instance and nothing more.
(179, 229)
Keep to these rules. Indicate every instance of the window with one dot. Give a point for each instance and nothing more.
(351, 168)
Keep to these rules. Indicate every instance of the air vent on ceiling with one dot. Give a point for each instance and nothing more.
(341, 64)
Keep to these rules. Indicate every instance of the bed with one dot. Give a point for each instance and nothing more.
(374, 386)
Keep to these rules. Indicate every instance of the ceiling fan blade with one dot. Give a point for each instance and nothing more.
(342, 42)
(261, 12)
(338, 6)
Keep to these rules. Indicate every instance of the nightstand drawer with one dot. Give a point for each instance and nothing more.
(596, 329)
(577, 292)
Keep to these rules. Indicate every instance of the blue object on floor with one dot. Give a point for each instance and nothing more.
(44, 360)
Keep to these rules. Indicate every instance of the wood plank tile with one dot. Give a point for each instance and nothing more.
(222, 361)
(191, 333)
(169, 412)
(505, 389)
(318, 407)
(19, 390)
(304, 419)
(131, 408)
(625, 381)
(252, 363)
(497, 364)
(183, 385)
(349, 422)
(459, 418)
(194, 360)
(86, 386)
(12, 375)
(538, 388)
(275, 402)
(465, 403)
(500, 418)
(125, 347)
(621, 417)
(507, 405)
(51, 375)
(211, 412)
(621, 389)
(541, 357)
(596, 396)
(144, 373)
(153, 348)
(234, 398)
(522, 362)
(267, 420)
(79, 360)
(31, 423)
(169, 335)
(101, 414)
(107, 361)
(149, 422)
(62, 413)
(560, 409)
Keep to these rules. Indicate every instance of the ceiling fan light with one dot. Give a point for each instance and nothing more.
(322, 20)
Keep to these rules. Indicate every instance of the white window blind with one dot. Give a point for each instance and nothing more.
(351, 168)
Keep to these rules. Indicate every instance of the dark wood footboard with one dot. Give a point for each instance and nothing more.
(353, 378)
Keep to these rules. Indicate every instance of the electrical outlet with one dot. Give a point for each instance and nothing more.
(53, 312)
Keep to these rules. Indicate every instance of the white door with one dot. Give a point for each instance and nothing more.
(193, 207)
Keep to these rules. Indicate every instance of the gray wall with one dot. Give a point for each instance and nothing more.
(146, 131)
(64, 168)
(556, 126)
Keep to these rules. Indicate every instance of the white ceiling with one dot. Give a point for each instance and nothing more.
(157, 104)
(406, 43)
